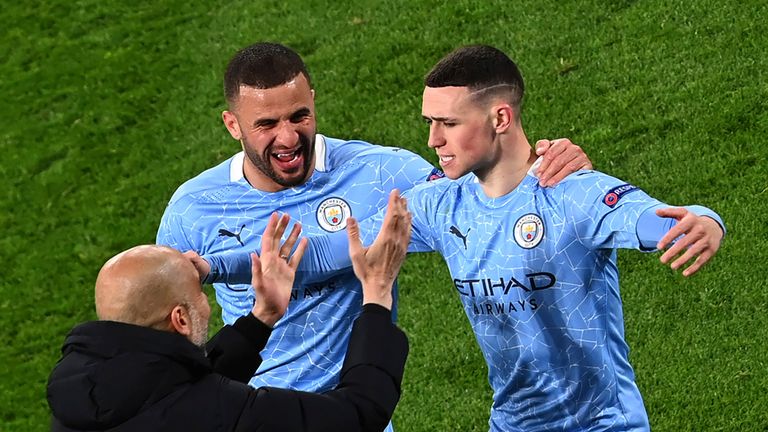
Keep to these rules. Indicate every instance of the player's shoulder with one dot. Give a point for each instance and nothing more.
(340, 151)
(440, 188)
(207, 184)
(588, 179)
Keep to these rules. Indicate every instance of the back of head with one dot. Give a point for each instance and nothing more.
(262, 65)
(142, 285)
(486, 71)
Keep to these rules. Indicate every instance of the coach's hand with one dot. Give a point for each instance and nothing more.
(377, 265)
(561, 158)
(701, 239)
(273, 272)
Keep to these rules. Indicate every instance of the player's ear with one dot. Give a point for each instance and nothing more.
(230, 121)
(503, 117)
(181, 321)
(313, 93)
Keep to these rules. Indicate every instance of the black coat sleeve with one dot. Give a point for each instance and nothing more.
(234, 350)
(366, 395)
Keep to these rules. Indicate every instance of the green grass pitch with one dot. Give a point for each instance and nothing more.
(107, 106)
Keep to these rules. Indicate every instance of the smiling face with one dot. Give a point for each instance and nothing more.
(460, 130)
(276, 127)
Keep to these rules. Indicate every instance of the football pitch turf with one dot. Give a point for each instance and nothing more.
(108, 106)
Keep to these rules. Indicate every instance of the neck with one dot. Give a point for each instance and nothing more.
(515, 159)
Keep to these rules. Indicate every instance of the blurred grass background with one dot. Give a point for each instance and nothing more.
(108, 106)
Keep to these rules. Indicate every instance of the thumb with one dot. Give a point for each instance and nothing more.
(672, 212)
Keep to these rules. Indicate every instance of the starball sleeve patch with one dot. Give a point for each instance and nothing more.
(614, 195)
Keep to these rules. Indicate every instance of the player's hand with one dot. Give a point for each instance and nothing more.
(201, 265)
(377, 265)
(701, 239)
(273, 272)
(561, 158)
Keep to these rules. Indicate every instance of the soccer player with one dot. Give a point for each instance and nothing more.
(535, 268)
(319, 181)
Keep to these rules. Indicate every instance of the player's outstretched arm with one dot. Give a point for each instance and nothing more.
(701, 237)
(273, 272)
(377, 266)
(561, 158)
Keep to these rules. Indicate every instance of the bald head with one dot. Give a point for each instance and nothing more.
(142, 285)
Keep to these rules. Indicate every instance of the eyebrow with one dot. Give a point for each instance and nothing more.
(301, 112)
(439, 119)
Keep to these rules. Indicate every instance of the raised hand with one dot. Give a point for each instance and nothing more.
(561, 158)
(273, 272)
(377, 265)
(701, 239)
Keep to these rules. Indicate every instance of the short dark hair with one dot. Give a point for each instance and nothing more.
(480, 68)
(262, 65)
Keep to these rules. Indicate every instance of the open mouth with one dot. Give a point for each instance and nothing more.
(446, 158)
(287, 157)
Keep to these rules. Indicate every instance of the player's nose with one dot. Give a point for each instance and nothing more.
(287, 134)
(436, 138)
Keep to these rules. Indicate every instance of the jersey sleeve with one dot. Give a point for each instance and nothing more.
(403, 170)
(605, 212)
(171, 231)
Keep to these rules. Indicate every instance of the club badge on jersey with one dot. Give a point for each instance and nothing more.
(332, 214)
(529, 231)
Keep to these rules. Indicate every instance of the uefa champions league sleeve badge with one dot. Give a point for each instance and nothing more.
(529, 230)
(332, 214)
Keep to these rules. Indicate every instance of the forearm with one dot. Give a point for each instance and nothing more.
(324, 256)
(234, 350)
(365, 398)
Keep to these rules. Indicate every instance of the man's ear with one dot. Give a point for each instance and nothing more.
(503, 117)
(181, 322)
(230, 121)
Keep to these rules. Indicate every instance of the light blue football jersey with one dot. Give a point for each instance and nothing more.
(219, 212)
(536, 273)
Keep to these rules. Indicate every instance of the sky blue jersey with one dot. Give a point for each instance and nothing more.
(218, 212)
(536, 273)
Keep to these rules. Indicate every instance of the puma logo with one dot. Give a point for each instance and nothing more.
(455, 231)
(236, 235)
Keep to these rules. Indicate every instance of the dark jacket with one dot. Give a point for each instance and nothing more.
(121, 377)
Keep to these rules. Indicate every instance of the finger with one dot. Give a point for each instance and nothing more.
(692, 251)
(282, 224)
(299, 253)
(552, 163)
(542, 146)
(700, 261)
(255, 270)
(268, 238)
(568, 161)
(393, 206)
(682, 243)
(287, 247)
(353, 234)
(683, 226)
(672, 212)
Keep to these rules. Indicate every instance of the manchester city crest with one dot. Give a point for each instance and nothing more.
(529, 230)
(332, 214)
